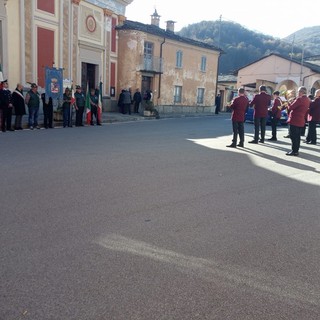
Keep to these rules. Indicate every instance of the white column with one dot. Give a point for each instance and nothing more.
(22, 43)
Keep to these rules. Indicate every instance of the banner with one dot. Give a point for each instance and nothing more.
(54, 83)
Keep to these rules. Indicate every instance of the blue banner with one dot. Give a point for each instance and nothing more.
(54, 83)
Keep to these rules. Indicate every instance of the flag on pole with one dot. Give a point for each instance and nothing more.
(1, 74)
(88, 106)
(100, 103)
(73, 99)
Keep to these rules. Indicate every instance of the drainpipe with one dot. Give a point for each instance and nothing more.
(159, 85)
(310, 75)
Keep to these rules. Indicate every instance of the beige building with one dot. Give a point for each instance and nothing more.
(181, 73)
(279, 73)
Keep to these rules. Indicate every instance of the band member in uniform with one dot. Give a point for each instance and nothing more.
(297, 115)
(275, 114)
(313, 119)
(261, 103)
(238, 106)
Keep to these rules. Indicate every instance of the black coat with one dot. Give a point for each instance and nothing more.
(18, 103)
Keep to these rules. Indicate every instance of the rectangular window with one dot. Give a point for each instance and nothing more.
(148, 49)
(177, 94)
(179, 59)
(200, 95)
(45, 53)
(113, 35)
(46, 5)
(148, 56)
(112, 79)
(203, 64)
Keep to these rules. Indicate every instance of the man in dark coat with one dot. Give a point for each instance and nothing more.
(47, 111)
(137, 98)
(218, 103)
(261, 103)
(238, 106)
(94, 101)
(33, 102)
(79, 106)
(5, 107)
(18, 105)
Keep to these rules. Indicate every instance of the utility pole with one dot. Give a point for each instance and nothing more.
(219, 38)
(219, 34)
(302, 58)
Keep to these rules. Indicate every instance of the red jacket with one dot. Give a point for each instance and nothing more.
(261, 103)
(276, 108)
(298, 110)
(314, 110)
(239, 106)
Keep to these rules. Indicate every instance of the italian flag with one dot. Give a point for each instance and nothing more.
(88, 106)
(73, 99)
(100, 103)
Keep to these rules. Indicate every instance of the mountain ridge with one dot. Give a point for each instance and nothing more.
(243, 46)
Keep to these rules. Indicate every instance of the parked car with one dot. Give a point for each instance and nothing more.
(283, 119)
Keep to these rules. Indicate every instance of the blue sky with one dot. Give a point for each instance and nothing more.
(273, 17)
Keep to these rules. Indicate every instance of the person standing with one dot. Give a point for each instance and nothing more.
(120, 101)
(5, 107)
(137, 98)
(79, 106)
(19, 106)
(275, 114)
(127, 101)
(238, 106)
(297, 115)
(218, 103)
(313, 119)
(94, 100)
(47, 111)
(66, 108)
(261, 103)
(33, 102)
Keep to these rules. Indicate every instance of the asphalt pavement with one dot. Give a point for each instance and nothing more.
(158, 220)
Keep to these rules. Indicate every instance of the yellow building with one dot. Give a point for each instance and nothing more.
(180, 72)
(76, 35)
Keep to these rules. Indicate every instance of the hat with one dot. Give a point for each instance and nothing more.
(4, 81)
(34, 85)
(78, 87)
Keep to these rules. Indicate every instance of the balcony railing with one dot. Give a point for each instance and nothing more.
(151, 64)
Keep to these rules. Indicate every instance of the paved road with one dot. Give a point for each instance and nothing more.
(157, 220)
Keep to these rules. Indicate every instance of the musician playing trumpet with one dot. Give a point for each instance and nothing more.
(297, 115)
(275, 111)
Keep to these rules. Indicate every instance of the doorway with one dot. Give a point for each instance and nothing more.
(88, 75)
(146, 84)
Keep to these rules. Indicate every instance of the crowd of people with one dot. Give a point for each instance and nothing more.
(14, 103)
(126, 100)
(301, 109)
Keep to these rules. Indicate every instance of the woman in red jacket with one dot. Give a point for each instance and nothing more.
(297, 113)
